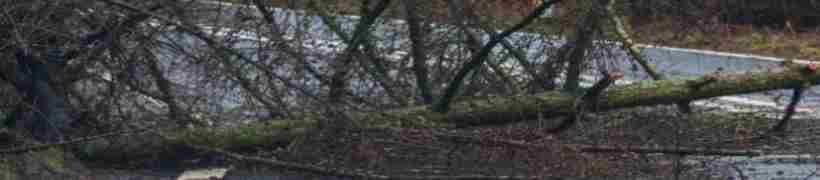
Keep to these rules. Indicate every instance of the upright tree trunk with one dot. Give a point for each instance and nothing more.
(578, 47)
(417, 35)
(44, 115)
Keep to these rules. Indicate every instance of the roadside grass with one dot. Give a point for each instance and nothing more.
(731, 38)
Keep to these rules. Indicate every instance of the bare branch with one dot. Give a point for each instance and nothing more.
(474, 43)
(790, 111)
(635, 52)
(338, 81)
(380, 72)
(477, 59)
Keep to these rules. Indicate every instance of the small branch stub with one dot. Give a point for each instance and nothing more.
(601, 85)
(812, 67)
(707, 79)
(589, 99)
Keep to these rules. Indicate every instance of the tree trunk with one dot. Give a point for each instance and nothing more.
(486, 111)
(44, 115)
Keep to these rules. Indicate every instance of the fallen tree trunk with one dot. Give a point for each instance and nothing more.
(505, 110)
(472, 112)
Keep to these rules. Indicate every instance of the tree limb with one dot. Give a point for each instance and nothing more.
(790, 110)
(635, 52)
(628, 43)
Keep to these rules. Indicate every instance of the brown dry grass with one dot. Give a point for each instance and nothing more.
(697, 34)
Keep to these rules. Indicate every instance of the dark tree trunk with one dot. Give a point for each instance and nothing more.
(577, 48)
(44, 113)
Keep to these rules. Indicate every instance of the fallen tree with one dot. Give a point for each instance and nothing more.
(465, 113)
(175, 142)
